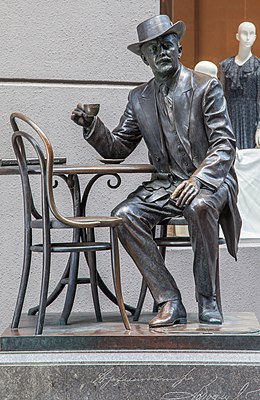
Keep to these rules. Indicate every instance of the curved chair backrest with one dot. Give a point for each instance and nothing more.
(18, 140)
(18, 145)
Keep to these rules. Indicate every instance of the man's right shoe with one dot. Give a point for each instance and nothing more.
(170, 313)
(208, 311)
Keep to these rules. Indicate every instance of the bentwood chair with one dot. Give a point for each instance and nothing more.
(48, 218)
(163, 240)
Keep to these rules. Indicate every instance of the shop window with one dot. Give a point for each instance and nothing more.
(212, 26)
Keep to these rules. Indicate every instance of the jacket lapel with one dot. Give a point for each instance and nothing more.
(182, 107)
(150, 119)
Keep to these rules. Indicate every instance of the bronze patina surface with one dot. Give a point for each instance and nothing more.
(240, 331)
(182, 117)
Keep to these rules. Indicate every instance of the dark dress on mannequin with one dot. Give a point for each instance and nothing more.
(241, 84)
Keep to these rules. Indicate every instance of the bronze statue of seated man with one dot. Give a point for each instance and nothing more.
(182, 117)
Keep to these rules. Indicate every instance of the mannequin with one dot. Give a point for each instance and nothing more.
(207, 67)
(240, 77)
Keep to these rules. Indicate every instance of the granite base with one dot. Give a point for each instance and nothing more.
(129, 375)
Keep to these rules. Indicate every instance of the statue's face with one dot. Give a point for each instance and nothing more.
(246, 34)
(162, 55)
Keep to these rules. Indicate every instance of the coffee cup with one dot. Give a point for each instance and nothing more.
(91, 109)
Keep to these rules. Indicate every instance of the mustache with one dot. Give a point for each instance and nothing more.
(163, 58)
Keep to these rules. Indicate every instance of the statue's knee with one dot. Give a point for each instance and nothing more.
(197, 207)
(116, 212)
(120, 211)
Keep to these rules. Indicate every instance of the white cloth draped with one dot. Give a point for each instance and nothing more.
(248, 172)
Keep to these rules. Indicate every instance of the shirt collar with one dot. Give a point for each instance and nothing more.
(169, 83)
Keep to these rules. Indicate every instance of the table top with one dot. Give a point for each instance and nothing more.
(69, 169)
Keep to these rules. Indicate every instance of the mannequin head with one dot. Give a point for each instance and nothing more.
(207, 67)
(246, 34)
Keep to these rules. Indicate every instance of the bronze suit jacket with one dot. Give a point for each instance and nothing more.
(204, 129)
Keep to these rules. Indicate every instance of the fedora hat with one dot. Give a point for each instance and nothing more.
(154, 27)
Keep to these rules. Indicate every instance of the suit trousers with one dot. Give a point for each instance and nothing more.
(140, 216)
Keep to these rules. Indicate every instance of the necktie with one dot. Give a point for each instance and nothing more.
(164, 90)
(166, 94)
(168, 103)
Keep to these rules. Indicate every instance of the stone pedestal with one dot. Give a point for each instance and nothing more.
(96, 361)
(240, 331)
(140, 375)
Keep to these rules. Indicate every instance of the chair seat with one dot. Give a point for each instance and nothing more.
(174, 221)
(178, 241)
(173, 241)
(97, 221)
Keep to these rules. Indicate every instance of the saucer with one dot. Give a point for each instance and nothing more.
(111, 160)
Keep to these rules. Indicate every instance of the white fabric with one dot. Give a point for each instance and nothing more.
(207, 67)
(248, 172)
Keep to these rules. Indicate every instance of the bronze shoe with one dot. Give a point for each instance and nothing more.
(208, 311)
(172, 312)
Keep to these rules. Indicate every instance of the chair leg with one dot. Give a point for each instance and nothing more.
(218, 293)
(162, 249)
(24, 279)
(44, 288)
(155, 307)
(116, 276)
(56, 292)
(140, 302)
(92, 264)
(102, 286)
(71, 272)
(163, 233)
(71, 289)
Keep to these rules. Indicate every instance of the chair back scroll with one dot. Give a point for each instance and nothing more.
(29, 205)
(46, 165)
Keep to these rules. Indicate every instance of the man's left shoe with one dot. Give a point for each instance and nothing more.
(208, 311)
(172, 312)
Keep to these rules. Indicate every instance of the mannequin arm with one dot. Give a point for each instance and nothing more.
(257, 132)
(257, 138)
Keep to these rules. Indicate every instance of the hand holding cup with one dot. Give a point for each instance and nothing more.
(83, 115)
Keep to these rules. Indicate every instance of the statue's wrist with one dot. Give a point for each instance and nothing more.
(88, 121)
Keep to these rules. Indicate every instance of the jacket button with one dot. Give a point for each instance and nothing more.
(157, 158)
